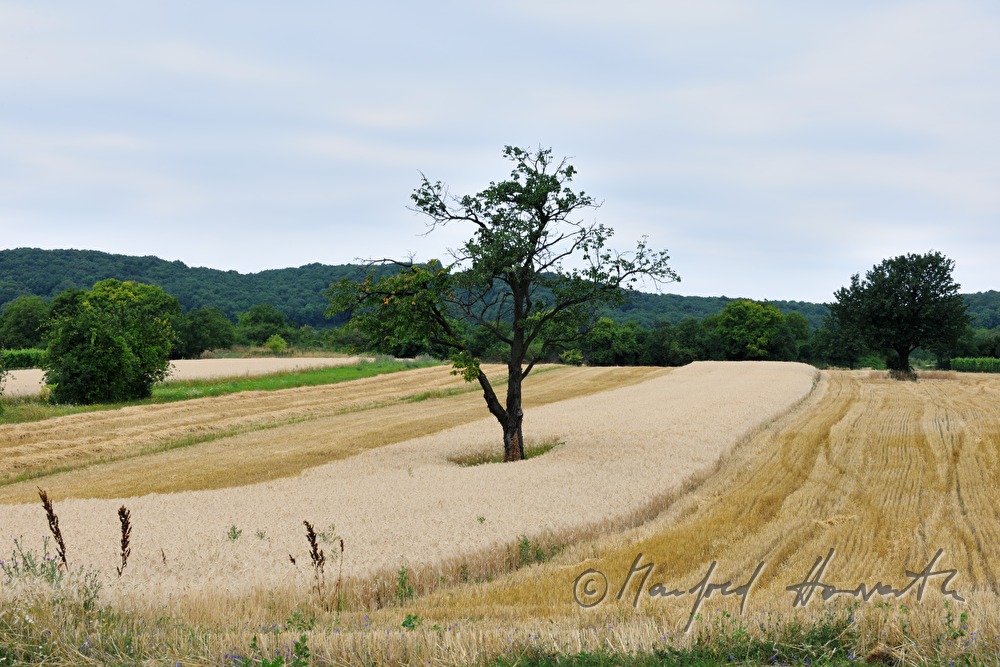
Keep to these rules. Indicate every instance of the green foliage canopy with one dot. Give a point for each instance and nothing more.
(111, 343)
(203, 329)
(749, 329)
(533, 277)
(22, 322)
(260, 323)
(904, 303)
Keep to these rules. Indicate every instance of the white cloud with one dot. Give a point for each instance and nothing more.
(769, 144)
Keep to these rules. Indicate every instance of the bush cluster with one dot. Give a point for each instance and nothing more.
(19, 359)
(976, 365)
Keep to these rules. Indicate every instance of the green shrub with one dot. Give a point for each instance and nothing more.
(872, 361)
(404, 588)
(110, 344)
(976, 364)
(3, 380)
(572, 357)
(276, 344)
(18, 359)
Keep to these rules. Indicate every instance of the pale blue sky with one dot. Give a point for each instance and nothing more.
(774, 148)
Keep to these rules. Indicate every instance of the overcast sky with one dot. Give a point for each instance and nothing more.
(774, 148)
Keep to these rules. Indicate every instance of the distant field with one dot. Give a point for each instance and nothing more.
(735, 464)
(29, 382)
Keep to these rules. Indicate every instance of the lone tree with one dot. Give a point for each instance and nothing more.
(533, 278)
(903, 303)
(111, 343)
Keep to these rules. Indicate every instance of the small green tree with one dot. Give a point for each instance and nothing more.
(904, 303)
(23, 321)
(750, 330)
(276, 344)
(203, 329)
(611, 344)
(111, 343)
(3, 377)
(663, 347)
(533, 275)
(838, 345)
(260, 323)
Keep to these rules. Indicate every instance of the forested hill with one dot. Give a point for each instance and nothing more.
(298, 292)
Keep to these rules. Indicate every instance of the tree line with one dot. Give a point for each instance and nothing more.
(742, 330)
(298, 292)
(28, 322)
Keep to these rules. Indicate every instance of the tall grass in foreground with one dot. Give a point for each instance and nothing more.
(49, 615)
(60, 624)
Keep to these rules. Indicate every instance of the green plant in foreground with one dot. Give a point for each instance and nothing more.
(298, 622)
(404, 589)
(530, 552)
(327, 535)
(726, 642)
(25, 564)
(234, 533)
(412, 622)
(297, 657)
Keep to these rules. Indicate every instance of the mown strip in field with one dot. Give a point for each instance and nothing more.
(107, 454)
(884, 473)
(33, 408)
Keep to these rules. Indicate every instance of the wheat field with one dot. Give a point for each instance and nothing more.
(760, 469)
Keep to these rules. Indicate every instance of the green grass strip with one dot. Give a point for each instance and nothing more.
(31, 409)
(482, 458)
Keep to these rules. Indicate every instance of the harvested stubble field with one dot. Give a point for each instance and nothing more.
(30, 382)
(737, 464)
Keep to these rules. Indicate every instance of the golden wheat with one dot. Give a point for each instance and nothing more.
(884, 473)
(133, 451)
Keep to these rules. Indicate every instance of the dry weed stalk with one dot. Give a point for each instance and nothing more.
(340, 575)
(315, 553)
(125, 517)
(318, 559)
(54, 526)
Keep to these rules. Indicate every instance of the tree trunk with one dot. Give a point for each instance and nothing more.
(900, 368)
(513, 442)
(510, 419)
(513, 445)
(903, 359)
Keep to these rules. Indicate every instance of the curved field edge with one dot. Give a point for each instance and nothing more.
(253, 437)
(219, 606)
(205, 377)
(885, 474)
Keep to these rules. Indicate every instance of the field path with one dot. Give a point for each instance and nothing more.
(405, 503)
